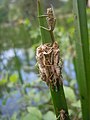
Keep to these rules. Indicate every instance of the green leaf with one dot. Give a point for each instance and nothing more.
(76, 104)
(34, 114)
(72, 83)
(10, 84)
(30, 117)
(27, 22)
(58, 97)
(49, 116)
(82, 61)
(14, 116)
(69, 93)
(3, 82)
(71, 112)
(4, 101)
(14, 78)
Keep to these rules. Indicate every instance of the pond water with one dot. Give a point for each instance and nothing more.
(28, 73)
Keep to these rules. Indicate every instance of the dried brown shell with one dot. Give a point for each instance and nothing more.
(48, 58)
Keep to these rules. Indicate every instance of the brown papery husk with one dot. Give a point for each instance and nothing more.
(48, 59)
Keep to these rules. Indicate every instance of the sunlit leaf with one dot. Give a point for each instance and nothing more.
(10, 84)
(3, 81)
(49, 116)
(34, 114)
(82, 61)
(72, 83)
(14, 78)
(69, 93)
(27, 22)
(76, 104)
(70, 112)
(14, 116)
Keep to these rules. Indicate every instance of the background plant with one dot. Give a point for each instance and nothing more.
(19, 31)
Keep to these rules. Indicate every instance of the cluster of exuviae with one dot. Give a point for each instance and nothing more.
(50, 64)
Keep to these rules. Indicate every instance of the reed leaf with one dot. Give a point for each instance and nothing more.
(58, 97)
(82, 56)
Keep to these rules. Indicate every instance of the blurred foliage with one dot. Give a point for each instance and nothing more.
(19, 37)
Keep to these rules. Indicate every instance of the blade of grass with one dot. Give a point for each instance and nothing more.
(58, 97)
(82, 56)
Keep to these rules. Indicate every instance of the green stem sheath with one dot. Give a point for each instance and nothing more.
(58, 97)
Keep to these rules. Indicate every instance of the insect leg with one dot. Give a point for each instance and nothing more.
(41, 16)
(45, 28)
(58, 117)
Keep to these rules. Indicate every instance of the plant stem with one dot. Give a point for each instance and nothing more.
(58, 97)
(82, 58)
(45, 36)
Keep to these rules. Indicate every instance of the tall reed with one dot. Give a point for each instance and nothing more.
(58, 96)
(82, 55)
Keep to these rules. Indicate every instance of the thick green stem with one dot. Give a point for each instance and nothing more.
(58, 97)
(45, 35)
(59, 102)
(82, 58)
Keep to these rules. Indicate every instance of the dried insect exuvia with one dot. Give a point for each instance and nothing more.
(48, 59)
(63, 114)
(51, 20)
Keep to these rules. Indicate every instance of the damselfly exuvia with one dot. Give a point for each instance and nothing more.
(51, 21)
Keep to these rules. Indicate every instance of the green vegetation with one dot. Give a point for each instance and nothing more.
(23, 95)
(58, 97)
(82, 56)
